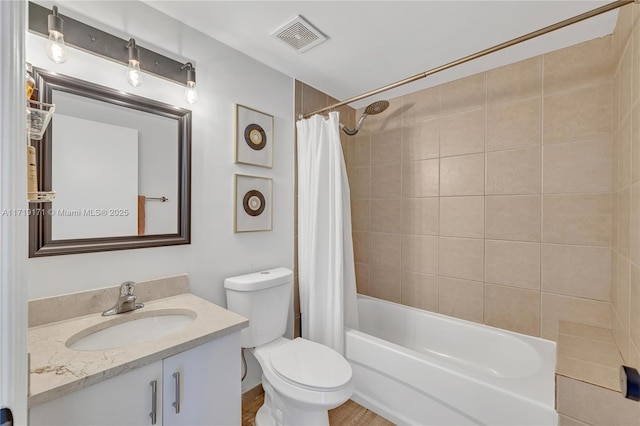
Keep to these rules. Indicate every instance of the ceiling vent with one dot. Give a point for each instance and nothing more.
(299, 34)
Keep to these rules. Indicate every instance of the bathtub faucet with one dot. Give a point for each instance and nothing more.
(126, 301)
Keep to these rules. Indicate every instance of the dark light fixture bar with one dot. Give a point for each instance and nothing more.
(108, 46)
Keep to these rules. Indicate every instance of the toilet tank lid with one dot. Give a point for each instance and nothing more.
(259, 280)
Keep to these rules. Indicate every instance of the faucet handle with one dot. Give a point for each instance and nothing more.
(127, 288)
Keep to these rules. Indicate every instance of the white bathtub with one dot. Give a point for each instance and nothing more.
(420, 368)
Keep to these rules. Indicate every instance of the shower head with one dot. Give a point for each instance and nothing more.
(376, 107)
(371, 109)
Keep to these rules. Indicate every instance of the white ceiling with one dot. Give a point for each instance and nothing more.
(374, 43)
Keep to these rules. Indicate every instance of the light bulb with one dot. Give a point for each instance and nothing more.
(190, 94)
(56, 50)
(134, 76)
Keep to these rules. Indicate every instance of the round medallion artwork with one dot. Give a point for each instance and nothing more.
(253, 203)
(255, 137)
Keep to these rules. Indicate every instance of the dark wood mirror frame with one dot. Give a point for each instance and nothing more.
(40, 225)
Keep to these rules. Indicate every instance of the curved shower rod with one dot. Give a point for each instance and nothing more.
(586, 15)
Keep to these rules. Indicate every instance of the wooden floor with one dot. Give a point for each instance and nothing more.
(349, 413)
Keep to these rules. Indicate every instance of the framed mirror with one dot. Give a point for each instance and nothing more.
(121, 168)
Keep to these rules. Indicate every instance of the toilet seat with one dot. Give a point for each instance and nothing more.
(310, 365)
(297, 393)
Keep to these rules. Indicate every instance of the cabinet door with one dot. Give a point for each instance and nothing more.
(209, 384)
(122, 400)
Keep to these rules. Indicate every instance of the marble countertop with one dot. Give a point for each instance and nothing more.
(57, 370)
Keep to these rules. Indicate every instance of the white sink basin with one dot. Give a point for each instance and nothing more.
(129, 330)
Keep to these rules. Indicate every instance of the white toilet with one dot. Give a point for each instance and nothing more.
(302, 379)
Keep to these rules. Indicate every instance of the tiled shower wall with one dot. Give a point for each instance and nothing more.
(625, 247)
(489, 198)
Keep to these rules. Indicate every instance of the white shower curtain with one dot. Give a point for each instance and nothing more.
(326, 268)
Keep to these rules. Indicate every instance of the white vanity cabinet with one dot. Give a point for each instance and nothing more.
(204, 381)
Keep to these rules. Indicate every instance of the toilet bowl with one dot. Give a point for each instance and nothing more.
(302, 379)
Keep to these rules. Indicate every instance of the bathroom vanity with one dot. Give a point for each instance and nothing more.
(189, 376)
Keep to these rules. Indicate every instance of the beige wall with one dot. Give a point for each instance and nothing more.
(625, 247)
(489, 198)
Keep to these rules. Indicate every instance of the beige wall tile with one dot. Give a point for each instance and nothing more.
(461, 258)
(615, 163)
(462, 133)
(624, 153)
(361, 247)
(635, 76)
(313, 99)
(385, 249)
(589, 372)
(577, 219)
(514, 171)
(635, 141)
(577, 167)
(568, 421)
(386, 216)
(621, 336)
(626, 71)
(513, 263)
(576, 271)
(585, 332)
(623, 29)
(634, 356)
(386, 283)
(420, 178)
(420, 290)
(421, 106)
(420, 216)
(624, 291)
(462, 175)
(624, 221)
(512, 309)
(514, 125)
(386, 147)
(462, 95)
(593, 404)
(514, 218)
(615, 115)
(515, 82)
(634, 305)
(577, 115)
(386, 181)
(584, 64)
(614, 220)
(420, 254)
(362, 278)
(556, 307)
(421, 141)
(461, 298)
(360, 183)
(634, 225)
(613, 297)
(360, 215)
(462, 217)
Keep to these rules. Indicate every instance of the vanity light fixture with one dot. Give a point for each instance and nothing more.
(56, 50)
(46, 22)
(190, 94)
(134, 76)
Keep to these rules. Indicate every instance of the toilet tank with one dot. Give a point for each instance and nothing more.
(262, 297)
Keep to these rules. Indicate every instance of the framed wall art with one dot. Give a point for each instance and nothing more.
(253, 204)
(254, 137)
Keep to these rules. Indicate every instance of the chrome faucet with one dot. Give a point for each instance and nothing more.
(126, 301)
